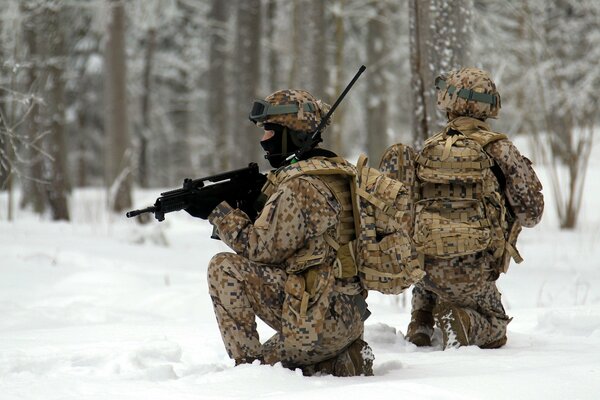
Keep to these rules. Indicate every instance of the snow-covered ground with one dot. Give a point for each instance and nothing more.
(103, 308)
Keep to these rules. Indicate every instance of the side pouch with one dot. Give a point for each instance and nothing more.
(307, 300)
(510, 249)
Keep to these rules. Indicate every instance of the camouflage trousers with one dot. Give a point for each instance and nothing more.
(467, 283)
(241, 290)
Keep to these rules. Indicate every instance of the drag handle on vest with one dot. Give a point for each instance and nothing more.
(316, 135)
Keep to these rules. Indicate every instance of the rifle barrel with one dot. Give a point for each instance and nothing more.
(135, 213)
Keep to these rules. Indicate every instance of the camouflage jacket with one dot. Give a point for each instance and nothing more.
(523, 189)
(289, 234)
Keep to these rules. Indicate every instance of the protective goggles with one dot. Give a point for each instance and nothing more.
(262, 109)
(467, 94)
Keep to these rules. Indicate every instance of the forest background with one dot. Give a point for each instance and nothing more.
(143, 93)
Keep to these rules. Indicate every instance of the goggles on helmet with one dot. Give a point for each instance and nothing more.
(467, 94)
(262, 109)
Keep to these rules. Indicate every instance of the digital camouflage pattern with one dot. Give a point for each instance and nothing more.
(523, 189)
(302, 121)
(283, 274)
(375, 223)
(468, 78)
(468, 283)
(464, 287)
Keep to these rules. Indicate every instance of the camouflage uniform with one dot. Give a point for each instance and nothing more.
(465, 285)
(265, 278)
(282, 272)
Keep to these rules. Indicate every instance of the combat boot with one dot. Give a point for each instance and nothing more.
(454, 323)
(495, 344)
(354, 360)
(420, 328)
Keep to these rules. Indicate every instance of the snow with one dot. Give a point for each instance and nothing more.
(104, 308)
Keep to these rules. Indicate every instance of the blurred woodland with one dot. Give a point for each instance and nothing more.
(127, 94)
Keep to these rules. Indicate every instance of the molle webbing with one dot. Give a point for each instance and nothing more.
(432, 190)
(460, 210)
(340, 186)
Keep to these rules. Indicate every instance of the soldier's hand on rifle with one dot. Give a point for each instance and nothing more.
(201, 208)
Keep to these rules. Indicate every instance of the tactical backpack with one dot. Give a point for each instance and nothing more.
(375, 225)
(458, 207)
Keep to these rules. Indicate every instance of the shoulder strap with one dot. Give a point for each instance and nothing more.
(484, 137)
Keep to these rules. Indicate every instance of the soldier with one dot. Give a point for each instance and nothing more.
(281, 270)
(475, 191)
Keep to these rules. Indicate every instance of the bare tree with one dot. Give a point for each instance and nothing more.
(247, 77)
(566, 84)
(32, 184)
(118, 151)
(217, 106)
(334, 137)
(377, 84)
(421, 80)
(144, 134)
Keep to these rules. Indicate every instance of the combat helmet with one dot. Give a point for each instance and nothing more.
(296, 109)
(293, 115)
(468, 92)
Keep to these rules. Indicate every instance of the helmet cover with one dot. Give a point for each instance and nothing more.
(468, 92)
(307, 114)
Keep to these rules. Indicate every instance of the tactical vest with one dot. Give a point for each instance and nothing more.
(371, 240)
(461, 209)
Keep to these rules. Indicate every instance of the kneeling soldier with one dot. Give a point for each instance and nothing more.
(282, 268)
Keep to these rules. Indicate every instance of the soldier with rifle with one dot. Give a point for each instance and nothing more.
(283, 267)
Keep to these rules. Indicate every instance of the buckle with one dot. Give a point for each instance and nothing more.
(440, 82)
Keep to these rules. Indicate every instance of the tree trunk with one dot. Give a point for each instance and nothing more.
(419, 21)
(217, 104)
(144, 134)
(248, 72)
(58, 187)
(377, 94)
(334, 135)
(33, 190)
(439, 41)
(118, 152)
(180, 115)
(273, 54)
(320, 72)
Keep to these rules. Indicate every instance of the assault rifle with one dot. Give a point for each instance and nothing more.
(240, 188)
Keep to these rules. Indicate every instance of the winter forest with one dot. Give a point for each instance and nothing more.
(104, 104)
(124, 94)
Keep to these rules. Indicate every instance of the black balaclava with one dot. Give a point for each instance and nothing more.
(280, 146)
(285, 142)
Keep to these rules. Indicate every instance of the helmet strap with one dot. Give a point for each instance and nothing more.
(284, 145)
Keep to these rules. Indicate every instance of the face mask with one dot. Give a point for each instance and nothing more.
(275, 147)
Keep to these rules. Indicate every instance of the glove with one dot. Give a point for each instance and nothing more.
(201, 208)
